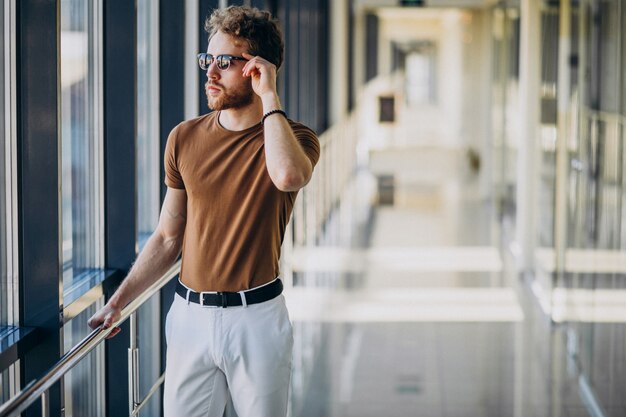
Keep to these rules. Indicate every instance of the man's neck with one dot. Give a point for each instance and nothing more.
(242, 118)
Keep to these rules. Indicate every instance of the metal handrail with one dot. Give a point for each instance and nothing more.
(29, 394)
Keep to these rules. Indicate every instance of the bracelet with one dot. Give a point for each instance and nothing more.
(269, 113)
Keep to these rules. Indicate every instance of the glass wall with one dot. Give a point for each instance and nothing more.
(504, 99)
(589, 286)
(148, 191)
(548, 124)
(9, 381)
(597, 215)
(8, 228)
(81, 138)
(4, 291)
(148, 161)
(84, 384)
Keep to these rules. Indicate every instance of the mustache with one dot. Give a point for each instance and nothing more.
(208, 84)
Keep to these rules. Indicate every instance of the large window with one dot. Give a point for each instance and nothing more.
(505, 102)
(147, 119)
(148, 187)
(8, 228)
(3, 178)
(9, 378)
(81, 137)
(82, 188)
(84, 384)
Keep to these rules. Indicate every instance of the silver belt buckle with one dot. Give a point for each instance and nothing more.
(201, 300)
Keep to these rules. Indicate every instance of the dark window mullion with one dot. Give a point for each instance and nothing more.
(120, 52)
(38, 137)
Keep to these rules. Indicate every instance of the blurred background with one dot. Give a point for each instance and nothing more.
(458, 251)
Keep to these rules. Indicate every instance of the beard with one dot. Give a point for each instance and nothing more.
(233, 98)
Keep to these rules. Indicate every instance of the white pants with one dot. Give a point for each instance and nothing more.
(213, 352)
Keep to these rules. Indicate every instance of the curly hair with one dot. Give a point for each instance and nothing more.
(258, 28)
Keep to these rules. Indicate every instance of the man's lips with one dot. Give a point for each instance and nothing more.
(212, 88)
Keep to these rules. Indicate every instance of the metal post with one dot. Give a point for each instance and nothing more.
(133, 366)
(45, 404)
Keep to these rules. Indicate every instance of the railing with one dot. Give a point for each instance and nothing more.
(39, 388)
(335, 168)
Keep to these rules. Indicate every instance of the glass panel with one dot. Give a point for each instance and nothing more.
(9, 382)
(148, 159)
(623, 66)
(148, 194)
(596, 231)
(548, 130)
(4, 291)
(149, 343)
(504, 97)
(609, 42)
(8, 205)
(81, 138)
(84, 384)
(154, 404)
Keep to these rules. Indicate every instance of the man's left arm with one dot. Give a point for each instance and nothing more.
(287, 164)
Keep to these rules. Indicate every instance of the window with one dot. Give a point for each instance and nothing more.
(82, 205)
(148, 159)
(148, 191)
(3, 178)
(81, 138)
(9, 382)
(84, 384)
(8, 211)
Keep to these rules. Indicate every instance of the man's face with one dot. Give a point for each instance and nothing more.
(227, 89)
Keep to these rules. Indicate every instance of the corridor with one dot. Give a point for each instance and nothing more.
(417, 311)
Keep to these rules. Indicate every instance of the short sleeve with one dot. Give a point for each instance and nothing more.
(309, 142)
(173, 179)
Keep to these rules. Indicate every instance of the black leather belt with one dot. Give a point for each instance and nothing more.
(232, 299)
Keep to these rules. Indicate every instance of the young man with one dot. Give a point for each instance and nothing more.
(232, 178)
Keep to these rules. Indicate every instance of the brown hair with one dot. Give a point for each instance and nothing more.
(258, 28)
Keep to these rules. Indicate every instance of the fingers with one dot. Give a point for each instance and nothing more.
(255, 64)
(94, 321)
(114, 332)
(108, 321)
(104, 317)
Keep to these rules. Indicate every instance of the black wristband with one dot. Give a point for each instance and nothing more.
(269, 113)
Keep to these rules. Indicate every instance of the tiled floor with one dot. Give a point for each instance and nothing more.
(443, 329)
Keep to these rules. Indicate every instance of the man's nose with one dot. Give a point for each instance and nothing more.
(212, 72)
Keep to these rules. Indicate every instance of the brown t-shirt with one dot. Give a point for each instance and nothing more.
(236, 217)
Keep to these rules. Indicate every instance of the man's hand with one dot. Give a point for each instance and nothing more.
(107, 315)
(263, 75)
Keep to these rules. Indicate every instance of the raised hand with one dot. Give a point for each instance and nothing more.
(263, 74)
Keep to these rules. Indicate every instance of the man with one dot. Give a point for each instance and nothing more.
(232, 178)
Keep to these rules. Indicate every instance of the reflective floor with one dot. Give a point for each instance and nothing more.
(413, 310)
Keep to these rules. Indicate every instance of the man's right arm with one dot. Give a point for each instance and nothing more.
(161, 251)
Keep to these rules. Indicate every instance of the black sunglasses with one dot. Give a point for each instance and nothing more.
(222, 61)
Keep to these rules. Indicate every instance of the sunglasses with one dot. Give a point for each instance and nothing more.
(222, 61)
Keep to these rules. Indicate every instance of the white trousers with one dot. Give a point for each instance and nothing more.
(213, 352)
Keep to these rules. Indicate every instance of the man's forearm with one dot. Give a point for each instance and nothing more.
(287, 164)
(153, 261)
